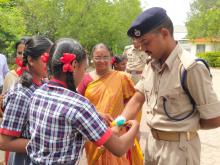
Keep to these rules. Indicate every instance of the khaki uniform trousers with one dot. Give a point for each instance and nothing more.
(183, 152)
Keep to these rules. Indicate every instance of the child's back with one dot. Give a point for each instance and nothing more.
(59, 119)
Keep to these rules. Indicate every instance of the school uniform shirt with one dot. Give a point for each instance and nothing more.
(16, 106)
(60, 120)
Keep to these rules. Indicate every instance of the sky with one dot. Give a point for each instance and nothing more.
(176, 9)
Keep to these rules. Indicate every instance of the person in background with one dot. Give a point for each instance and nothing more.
(119, 62)
(60, 118)
(109, 90)
(136, 60)
(12, 77)
(14, 131)
(3, 70)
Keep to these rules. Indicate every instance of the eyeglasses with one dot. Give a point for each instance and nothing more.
(20, 53)
(105, 58)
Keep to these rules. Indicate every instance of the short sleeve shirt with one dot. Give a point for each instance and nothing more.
(60, 120)
(136, 58)
(163, 81)
(16, 107)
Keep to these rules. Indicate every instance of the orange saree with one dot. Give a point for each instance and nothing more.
(109, 95)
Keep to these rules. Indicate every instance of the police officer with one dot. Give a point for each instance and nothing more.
(173, 139)
(136, 60)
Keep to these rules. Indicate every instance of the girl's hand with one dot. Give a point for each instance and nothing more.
(107, 117)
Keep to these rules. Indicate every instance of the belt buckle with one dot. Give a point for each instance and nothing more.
(190, 135)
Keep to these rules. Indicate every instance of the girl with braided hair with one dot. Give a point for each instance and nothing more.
(61, 119)
(13, 76)
(14, 131)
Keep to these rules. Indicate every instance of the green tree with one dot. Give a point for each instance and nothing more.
(204, 19)
(12, 25)
(89, 21)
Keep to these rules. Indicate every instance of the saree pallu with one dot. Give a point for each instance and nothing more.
(109, 95)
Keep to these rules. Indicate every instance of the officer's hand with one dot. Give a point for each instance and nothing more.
(132, 123)
(116, 130)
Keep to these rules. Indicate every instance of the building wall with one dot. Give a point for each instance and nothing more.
(193, 48)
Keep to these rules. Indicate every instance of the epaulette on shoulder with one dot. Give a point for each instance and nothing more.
(188, 60)
(128, 47)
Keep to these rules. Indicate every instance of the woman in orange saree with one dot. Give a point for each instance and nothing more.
(109, 91)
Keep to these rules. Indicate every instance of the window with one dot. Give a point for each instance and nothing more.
(200, 48)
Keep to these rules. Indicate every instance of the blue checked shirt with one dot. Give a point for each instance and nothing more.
(16, 107)
(59, 121)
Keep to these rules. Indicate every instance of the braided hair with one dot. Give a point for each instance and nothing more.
(65, 45)
(35, 47)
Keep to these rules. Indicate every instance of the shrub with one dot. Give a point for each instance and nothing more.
(213, 58)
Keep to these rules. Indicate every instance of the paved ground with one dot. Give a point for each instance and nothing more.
(210, 139)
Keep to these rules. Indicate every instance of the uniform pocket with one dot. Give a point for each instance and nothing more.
(175, 101)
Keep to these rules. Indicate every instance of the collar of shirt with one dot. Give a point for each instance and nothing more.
(169, 61)
(36, 82)
(56, 82)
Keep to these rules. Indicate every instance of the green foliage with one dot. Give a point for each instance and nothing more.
(213, 58)
(89, 21)
(204, 19)
(11, 27)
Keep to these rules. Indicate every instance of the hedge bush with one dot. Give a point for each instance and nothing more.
(213, 58)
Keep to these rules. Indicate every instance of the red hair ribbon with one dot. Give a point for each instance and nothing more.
(21, 68)
(66, 59)
(45, 57)
(113, 60)
(18, 61)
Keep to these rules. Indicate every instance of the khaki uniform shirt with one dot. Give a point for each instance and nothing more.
(136, 58)
(160, 81)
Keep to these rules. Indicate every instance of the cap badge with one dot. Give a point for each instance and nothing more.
(137, 32)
